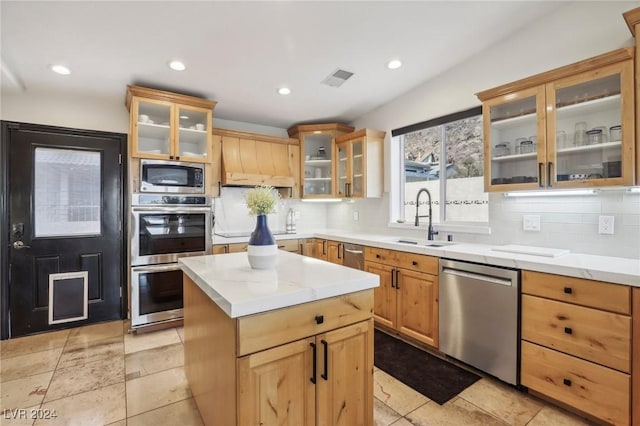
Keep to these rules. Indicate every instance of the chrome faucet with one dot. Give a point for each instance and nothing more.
(430, 231)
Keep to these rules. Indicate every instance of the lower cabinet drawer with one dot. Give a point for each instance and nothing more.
(273, 328)
(591, 334)
(594, 389)
(289, 245)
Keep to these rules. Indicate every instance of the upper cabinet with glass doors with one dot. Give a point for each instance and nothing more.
(318, 157)
(169, 126)
(570, 127)
(359, 171)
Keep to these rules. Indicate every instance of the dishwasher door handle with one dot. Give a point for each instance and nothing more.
(479, 277)
(353, 251)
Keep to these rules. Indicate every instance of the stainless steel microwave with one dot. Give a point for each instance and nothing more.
(176, 177)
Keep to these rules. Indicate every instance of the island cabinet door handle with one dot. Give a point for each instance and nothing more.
(393, 281)
(339, 250)
(325, 375)
(315, 361)
(398, 279)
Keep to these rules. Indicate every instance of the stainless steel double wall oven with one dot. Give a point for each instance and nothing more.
(164, 228)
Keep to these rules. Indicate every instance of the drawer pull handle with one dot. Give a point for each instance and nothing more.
(377, 256)
(414, 263)
(568, 330)
(568, 290)
(313, 347)
(319, 319)
(567, 382)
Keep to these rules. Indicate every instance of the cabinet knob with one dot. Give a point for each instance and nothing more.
(568, 330)
(319, 319)
(377, 256)
(568, 290)
(567, 382)
(414, 263)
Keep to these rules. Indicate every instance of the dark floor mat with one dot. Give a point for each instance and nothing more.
(433, 377)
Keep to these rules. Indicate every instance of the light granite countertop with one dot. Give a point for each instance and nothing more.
(239, 290)
(604, 268)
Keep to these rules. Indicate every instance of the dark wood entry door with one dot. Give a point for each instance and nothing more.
(65, 230)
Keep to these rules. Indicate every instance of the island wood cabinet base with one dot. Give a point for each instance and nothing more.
(316, 370)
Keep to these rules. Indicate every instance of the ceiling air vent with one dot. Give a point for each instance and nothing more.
(337, 78)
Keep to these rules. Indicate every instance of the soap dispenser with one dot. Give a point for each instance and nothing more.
(291, 223)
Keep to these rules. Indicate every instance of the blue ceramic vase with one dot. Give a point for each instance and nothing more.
(262, 250)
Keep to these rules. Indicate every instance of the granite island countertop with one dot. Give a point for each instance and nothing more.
(239, 290)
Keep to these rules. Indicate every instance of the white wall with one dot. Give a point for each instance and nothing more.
(232, 214)
(93, 113)
(573, 32)
(67, 110)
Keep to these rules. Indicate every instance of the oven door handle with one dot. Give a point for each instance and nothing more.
(156, 268)
(163, 209)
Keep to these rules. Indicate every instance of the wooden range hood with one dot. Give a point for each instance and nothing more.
(250, 159)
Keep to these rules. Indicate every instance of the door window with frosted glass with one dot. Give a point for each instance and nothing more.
(67, 192)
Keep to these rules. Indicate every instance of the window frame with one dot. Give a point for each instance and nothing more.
(398, 178)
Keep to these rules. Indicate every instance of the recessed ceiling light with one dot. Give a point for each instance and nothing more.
(394, 64)
(60, 69)
(177, 66)
(284, 90)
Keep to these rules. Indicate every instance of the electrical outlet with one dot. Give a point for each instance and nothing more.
(356, 215)
(605, 225)
(531, 222)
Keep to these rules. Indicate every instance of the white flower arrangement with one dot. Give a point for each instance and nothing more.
(262, 200)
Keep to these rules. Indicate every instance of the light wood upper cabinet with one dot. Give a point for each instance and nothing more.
(253, 159)
(566, 128)
(169, 126)
(360, 164)
(318, 157)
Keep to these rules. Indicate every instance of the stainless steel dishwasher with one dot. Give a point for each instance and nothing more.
(353, 256)
(479, 317)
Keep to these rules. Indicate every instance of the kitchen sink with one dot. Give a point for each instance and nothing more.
(439, 243)
(428, 243)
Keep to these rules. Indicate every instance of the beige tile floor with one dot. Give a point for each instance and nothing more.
(101, 375)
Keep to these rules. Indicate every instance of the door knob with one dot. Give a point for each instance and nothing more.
(18, 245)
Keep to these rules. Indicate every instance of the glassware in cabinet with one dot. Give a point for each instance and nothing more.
(356, 188)
(152, 127)
(318, 164)
(585, 107)
(513, 137)
(343, 169)
(193, 134)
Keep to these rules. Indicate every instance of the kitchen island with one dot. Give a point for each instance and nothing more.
(293, 345)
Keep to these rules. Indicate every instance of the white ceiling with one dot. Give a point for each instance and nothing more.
(238, 53)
